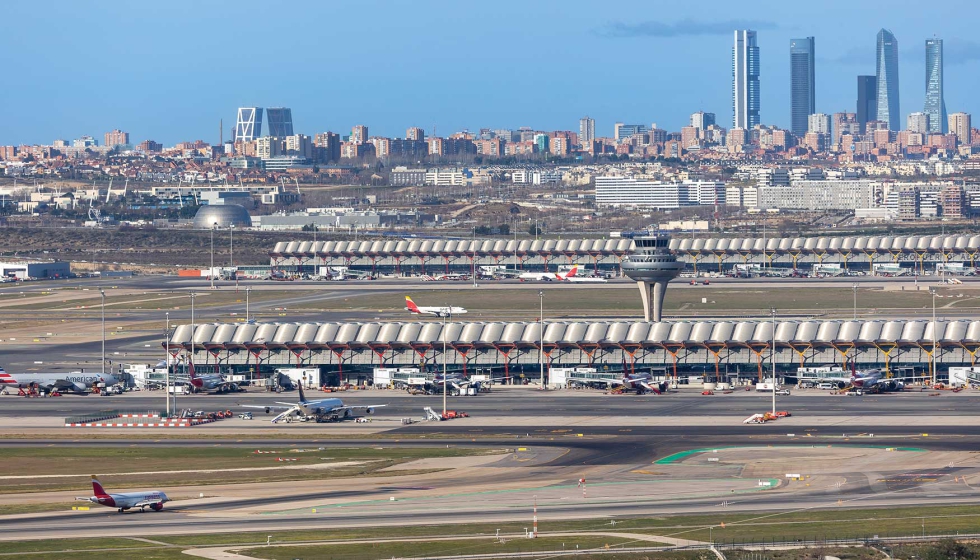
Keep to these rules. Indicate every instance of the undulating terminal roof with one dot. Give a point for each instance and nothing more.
(946, 245)
(625, 334)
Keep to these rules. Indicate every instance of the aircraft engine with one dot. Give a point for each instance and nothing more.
(268, 410)
(899, 386)
(157, 506)
(841, 384)
(369, 411)
(318, 411)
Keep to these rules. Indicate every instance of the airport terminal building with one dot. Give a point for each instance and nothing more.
(709, 349)
(712, 254)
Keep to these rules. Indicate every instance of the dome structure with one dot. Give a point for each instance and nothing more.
(222, 216)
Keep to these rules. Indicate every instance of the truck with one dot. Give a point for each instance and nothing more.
(308, 377)
(767, 385)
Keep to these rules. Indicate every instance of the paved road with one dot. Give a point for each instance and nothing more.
(507, 402)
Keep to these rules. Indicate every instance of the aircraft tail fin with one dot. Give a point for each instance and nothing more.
(97, 487)
(302, 396)
(572, 272)
(410, 305)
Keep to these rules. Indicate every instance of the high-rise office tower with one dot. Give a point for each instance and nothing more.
(280, 121)
(248, 126)
(959, 124)
(867, 101)
(801, 83)
(586, 132)
(887, 80)
(919, 122)
(745, 80)
(935, 104)
(702, 120)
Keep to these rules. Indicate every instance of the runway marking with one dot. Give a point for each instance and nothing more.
(198, 471)
(681, 455)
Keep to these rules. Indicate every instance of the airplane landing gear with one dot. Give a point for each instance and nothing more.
(120, 510)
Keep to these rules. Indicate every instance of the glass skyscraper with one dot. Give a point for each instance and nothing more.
(801, 84)
(867, 101)
(887, 74)
(745, 80)
(935, 104)
(279, 121)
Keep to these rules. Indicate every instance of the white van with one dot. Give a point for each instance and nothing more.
(825, 386)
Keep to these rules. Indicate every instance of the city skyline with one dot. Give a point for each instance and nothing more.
(137, 92)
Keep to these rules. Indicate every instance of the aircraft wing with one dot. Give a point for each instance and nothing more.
(269, 406)
(64, 385)
(145, 503)
(357, 406)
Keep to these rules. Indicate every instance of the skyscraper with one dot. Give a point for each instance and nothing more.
(586, 132)
(935, 104)
(280, 120)
(867, 102)
(887, 80)
(248, 126)
(745, 80)
(801, 83)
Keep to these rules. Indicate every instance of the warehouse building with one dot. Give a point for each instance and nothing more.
(35, 269)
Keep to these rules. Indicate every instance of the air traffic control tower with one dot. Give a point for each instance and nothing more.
(652, 265)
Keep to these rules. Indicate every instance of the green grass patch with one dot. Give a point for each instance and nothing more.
(16, 509)
(142, 554)
(148, 465)
(52, 545)
(622, 297)
(378, 551)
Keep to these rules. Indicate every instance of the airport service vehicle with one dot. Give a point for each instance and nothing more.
(76, 382)
(437, 311)
(322, 410)
(129, 500)
(245, 416)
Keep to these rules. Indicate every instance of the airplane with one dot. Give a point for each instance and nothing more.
(129, 500)
(548, 276)
(871, 380)
(323, 410)
(573, 277)
(437, 311)
(76, 382)
(215, 382)
(641, 382)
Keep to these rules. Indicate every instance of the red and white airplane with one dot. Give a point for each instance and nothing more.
(870, 380)
(129, 500)
(570, 276)
(437, 311)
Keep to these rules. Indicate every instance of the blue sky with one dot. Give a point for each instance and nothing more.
(169, 71)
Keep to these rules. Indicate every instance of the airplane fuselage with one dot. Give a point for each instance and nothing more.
(76, 380)
(128, 500)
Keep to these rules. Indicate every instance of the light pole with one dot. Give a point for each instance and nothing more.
(211, 272)
(248, 291)
(166, 342)
(316, 269)
(772, 359)
(473, 262)
(445, 368)
(231, 246)
(541, 338)
(102, 292)
(190, 361)
(855, 288)
(932, 355)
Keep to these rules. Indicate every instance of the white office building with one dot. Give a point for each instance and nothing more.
(642, 193)
(818, 195)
